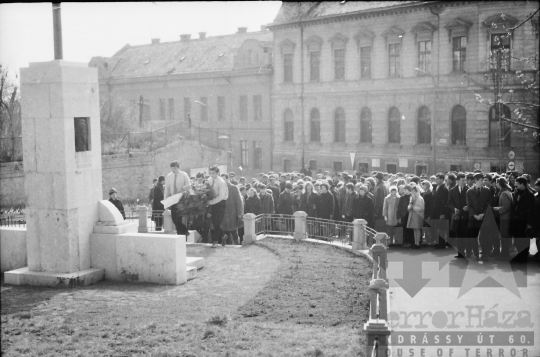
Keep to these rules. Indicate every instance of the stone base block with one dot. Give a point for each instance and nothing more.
(125, 227)
(12, 248)
(24, 276)
(196, 262)
(194, 237)
(191, 272)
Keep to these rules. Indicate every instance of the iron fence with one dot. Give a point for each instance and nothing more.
(13, 220)
(277, 224)
(370, 234)
(329, 230)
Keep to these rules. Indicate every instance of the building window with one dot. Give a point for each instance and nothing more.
(424, 126)
(421, 169)
(314, 65)
(288, 129)
(287, 67)
(394, 126)
(82, 134)
(339, 64)
(187, 108)
(424, 56)
(500, 43)
(313, 165)
(391, 168)
(243, 107)
(494, 127)
(286, 165)
(221, 108)
(459, 122)
(363, 167)
(171, 109)
(339, 126)
(204, 109)
(315, 125)
(394, 62)
(146, 111)
(457, 168)
(244, 154)
(365, 62)
(365, 126)
(257, 155)
(338, 166)
(459, 53)
(162, 109)
(257, 107)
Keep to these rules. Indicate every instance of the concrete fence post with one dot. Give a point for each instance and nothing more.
(377, 329)
(250, 234)
(168, 225)
(359, 234)
(300, 225)
(143, 219)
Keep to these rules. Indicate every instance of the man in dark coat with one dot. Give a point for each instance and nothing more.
(440, 211)
(403, 215)
(286, 200)
(457, 203)
(267, 201)
(325, 203)
(523, 217)
(363, 206)
(234, 211)
(274, 186)
(157, 206)
(478, 198)
(379, 193)
(116, 202)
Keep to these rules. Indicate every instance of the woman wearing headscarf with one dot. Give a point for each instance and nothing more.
(390, 207)
(416, 215)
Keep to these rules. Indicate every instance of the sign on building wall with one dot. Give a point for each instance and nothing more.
(403, 163)
(375, 162)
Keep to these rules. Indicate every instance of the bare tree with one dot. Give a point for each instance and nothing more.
(10, 118)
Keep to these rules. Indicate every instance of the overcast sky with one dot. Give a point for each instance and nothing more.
(101, 29)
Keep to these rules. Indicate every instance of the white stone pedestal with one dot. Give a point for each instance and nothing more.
(62, 186)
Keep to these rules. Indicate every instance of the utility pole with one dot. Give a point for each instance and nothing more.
(57, 31)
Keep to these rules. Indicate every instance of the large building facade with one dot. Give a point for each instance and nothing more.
(393, 86)
(221, 84)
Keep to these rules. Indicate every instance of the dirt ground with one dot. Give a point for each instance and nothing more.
(275, 298)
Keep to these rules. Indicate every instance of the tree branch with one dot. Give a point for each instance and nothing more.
(527, 19)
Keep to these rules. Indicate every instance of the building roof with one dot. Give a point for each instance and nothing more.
(179, 57)
(291, 11)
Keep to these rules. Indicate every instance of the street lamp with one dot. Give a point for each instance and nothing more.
(433, 121)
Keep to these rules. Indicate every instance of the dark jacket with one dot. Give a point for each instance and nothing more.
(477, 204)
(309, 205)
(267, 204)
(275, 192)
(428, 204)
(325, 205)
(118, 205)
(349, 202)
(523, 212)
(363, 209)
(337, 209)
(440, 202)
(233, 209)
(253, 205)
(402, 211)
(379, 193)
(158, 197)
(285, 203)
(458, 200)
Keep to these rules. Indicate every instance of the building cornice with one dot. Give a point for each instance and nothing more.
(365, 14)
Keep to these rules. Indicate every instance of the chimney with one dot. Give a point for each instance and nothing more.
(263, 28)
(185, 37)
(202, 35)
(155, 41)
(242, 30)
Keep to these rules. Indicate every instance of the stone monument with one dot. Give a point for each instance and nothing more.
(62, 164)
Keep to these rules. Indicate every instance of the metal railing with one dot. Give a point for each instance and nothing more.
(278, 224)
(329, 230)
(13, 220)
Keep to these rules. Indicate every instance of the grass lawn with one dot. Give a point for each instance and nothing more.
(276, 298)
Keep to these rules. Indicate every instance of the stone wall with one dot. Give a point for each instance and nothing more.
(131, 175)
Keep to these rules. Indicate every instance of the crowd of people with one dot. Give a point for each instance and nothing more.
(414, 210)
